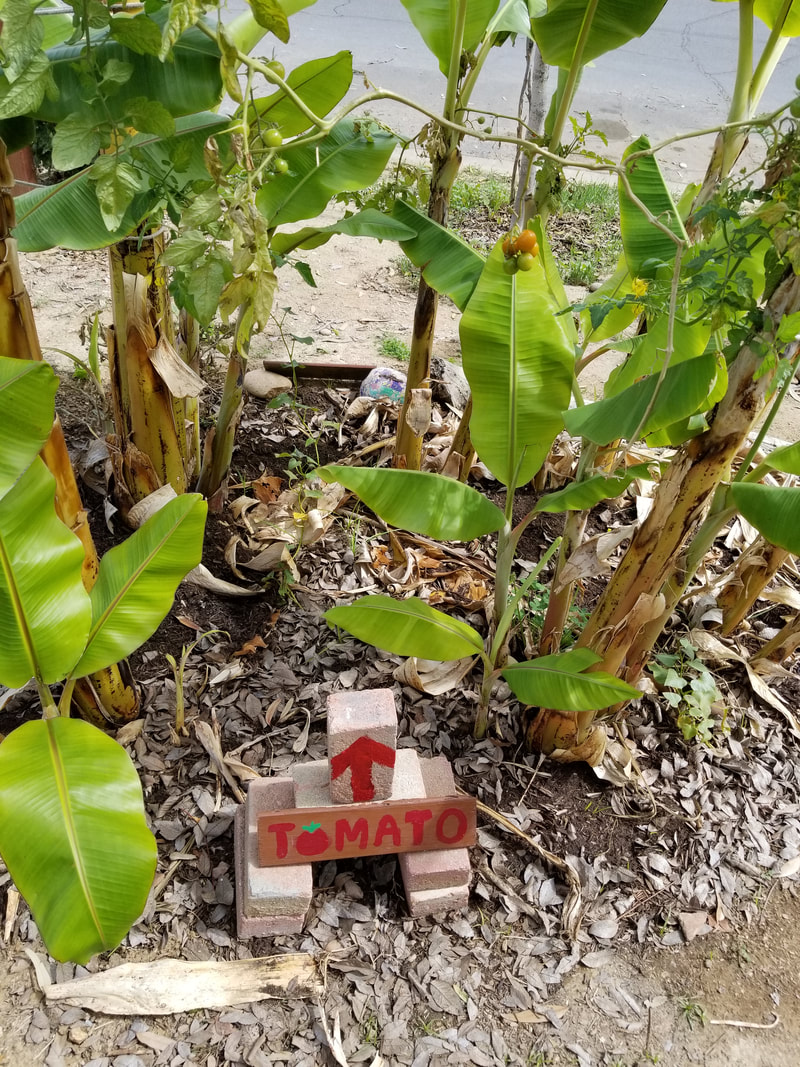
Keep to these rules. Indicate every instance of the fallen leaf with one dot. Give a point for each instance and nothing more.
(165, 987)
(249, 647)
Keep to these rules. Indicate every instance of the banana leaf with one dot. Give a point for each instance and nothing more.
(136, 584)
(607, 311)
(559, 682)
(555, 286)
(647, 248)
(448, 264)
(519, 365)
(773, 510)
(424, 503)
(73, 834)
(769, 12)
(366, 223)
(684, 391)
(45, 611)
(406, 628)
(27, 398)
(689, 340)
(349, 158)
(320, 84)
(580, 496)
(614, 22)
(434, 20)
(68, 215)
(189, 82)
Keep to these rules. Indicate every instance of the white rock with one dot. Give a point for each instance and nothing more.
(266, 385)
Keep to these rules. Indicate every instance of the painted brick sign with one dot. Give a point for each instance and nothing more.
(303, 834)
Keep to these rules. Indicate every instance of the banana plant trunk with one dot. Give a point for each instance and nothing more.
(110, 695)
(754, 570)
(154, 431)
(637, 594)
(411, 424)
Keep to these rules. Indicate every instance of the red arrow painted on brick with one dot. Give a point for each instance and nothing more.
(360, 757)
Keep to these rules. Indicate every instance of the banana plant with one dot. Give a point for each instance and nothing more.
(72, 826)
(518, 355)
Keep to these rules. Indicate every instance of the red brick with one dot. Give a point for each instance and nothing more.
(312, 784)
(368, 713)
(249, 925)
(269, 900)
(437, 901)
(440, 868)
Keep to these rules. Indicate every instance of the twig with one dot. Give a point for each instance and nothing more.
(746, 1026)
(571, 913)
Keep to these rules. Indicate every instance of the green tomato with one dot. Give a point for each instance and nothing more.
(272, 139)
(277, 68)
(281, 166)
(797, 82)
(526, 260)
(794, 108)
(510, 266)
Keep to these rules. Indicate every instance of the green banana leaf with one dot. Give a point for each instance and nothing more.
(785, 459)
(558, 32)
(45, 611)
(435, 22)
(646, 247)
(559, 682)
(580, 496)
(449, 265)
(684, 391)
(189, 82)
(27, 399)
(606, 312)
(137, 581)
(424, 503)
(367, 223)
(555, 286)
(68, 215)
(73, 834)
(689, 341)
(348, 158)
(519, 365)
(406, 628)
(320, 84)
(770, 10)
(773, 510)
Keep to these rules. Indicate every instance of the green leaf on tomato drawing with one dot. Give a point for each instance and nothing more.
(312, 826)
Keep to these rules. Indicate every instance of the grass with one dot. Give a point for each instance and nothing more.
(585, 229)
(477, 191)
(394, 348)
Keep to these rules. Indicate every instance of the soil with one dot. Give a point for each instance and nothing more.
(640, 995)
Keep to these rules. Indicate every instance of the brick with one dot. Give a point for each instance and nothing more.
(441, 868)
(357, 719)
(438, 777)
(312, 784)
(425, 902)
(253, 925)
(265, 795)
(270, 900)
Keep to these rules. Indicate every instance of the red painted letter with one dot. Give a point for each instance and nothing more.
(387, 825)
(281, 831)
(346, 832)
(418, 819)
(461, 828)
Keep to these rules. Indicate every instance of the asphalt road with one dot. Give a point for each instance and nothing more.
(677, 77)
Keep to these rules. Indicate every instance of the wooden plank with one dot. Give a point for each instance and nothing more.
(303, 835)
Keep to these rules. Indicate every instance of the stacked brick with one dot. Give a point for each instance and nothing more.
(364, 765)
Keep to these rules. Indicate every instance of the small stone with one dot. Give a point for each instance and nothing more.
(266, 385)
(78, 1034)
(594, 286)
(384, 383)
